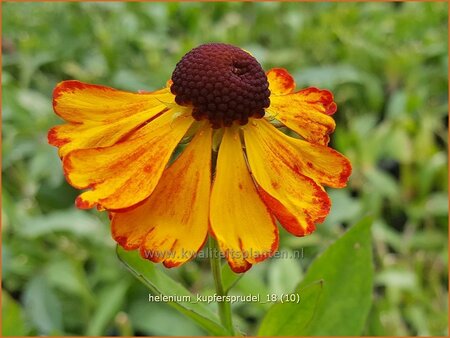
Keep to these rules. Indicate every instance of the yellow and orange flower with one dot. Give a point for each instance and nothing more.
(232, 180)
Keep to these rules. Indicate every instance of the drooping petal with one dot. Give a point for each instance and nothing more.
(126, 173)
(80, 102)
(295, 199)
(90, 134)
(280, 81)
(306, 112)
(321, 163)
(240, 221)
(172, 224)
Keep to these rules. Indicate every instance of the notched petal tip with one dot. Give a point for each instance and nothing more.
(291, 222)
(331, 108)
(55, 140)
(66, 87)
(307, 112)
(68, 169)
(80, 203)
(172, 264)
(346, 171)
(151, 255)
(123, 242)
(239, 268)
(73, 85)
(63, 86)
(280, 81)
(324, 97)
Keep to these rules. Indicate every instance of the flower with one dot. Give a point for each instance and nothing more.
(236, 176)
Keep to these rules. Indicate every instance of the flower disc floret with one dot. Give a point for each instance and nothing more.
(223, 83)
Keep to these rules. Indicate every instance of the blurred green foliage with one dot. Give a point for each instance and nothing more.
(386, 63)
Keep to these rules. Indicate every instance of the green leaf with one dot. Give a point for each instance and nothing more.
(383, 182)
(158, 319)
(74, 281)
(12, 315)
(397, 278)
(284, 273)
(161, 284)
(43, 306)
(437, 204)
(73, 221)
(110, 303)
(341, 306)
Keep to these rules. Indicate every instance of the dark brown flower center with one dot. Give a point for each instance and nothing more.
(223, 83)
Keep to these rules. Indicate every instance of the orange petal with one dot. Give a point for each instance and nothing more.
(172, 224)
(126, 173)
(240, 221)
(306, 112)
(295, 199)
(280, 81)
(321, 163)
(90, 134)
(79, 102)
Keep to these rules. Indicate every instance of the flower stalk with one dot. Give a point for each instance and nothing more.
(224, 306)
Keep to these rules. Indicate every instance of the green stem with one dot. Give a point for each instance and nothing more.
(123, 325)
(224, 306)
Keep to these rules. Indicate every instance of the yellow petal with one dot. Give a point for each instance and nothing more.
(296, 200)
(126, 173)
(280, 81)
(240, 221)
(306, 112)
(79, 102)
(172, 224)
(321, 163)
(91, 134)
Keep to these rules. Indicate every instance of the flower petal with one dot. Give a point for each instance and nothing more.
(280, 81)
(79, 102)
(172, 224)
(295, 199)
(240, 221)
(126, 173)
(306, 112)
(71, 136)
(323, 164)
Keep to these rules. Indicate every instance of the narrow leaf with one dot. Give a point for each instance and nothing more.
(110, 302)
(13, 319)
(43, 307)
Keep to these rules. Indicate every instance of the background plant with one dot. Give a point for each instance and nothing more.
(386, 64)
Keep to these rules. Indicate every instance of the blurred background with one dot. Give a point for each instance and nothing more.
(387, 65)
